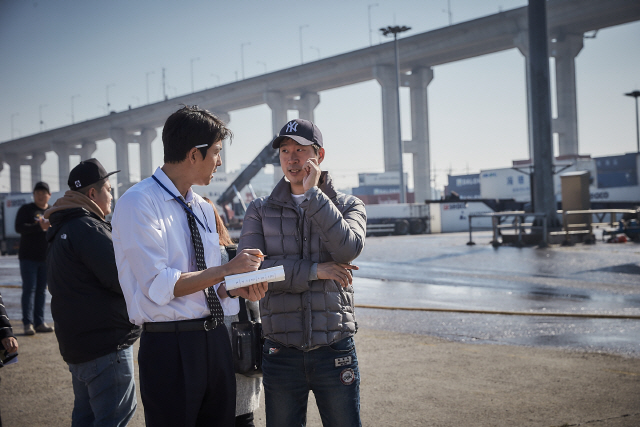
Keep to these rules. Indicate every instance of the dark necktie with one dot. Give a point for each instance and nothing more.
(212, 300)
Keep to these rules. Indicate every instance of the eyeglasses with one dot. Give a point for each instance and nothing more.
(201, 146)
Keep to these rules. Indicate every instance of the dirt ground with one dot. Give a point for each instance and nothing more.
(407, 380)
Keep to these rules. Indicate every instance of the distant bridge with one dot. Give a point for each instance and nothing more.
(298, 88)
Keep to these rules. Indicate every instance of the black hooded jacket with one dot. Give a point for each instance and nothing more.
(87, 304)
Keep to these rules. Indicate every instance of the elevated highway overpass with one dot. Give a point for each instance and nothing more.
(298, 88)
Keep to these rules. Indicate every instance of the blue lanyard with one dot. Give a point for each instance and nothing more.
(184, 205)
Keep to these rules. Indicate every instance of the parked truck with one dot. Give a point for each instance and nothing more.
(397, 218)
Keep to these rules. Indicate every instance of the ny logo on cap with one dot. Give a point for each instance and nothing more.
(292, 127)
(78, 185)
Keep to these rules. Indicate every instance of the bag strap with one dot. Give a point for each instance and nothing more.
(242, 314)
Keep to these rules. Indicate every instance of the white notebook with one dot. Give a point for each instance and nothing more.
(273, 274)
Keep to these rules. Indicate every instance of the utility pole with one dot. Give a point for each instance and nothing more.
(544, 200)
(636, 94)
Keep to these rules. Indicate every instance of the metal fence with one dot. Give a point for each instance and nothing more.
(521, 223)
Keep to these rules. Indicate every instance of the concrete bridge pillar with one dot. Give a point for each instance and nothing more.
(276, 101)
(144, 140)
(87, 148)
(62, 150)
(121, 139)
(564, 50)
(306, 105)
(418, 82)
(522, 43)
(386, 76)
(37, 159)
(13, 160)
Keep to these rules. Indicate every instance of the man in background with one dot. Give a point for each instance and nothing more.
(9, 342)
(90, 314)
(32, 227)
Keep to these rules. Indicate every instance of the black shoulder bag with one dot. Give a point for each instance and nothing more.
(246, 339)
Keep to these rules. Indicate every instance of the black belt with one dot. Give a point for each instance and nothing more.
(204, 324)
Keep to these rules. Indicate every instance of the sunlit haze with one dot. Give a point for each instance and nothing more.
(56, 53)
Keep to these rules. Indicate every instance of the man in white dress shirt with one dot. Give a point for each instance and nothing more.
(163, 235)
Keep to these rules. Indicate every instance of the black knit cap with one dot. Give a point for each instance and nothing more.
(86, 173)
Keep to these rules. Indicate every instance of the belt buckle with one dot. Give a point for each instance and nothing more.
(209, 324)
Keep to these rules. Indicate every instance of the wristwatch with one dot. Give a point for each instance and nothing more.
(231, 296)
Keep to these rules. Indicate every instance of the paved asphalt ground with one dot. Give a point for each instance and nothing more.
(420, 378)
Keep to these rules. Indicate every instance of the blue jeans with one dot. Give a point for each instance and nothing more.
(104, 389)
(34, 287)
(331, 372)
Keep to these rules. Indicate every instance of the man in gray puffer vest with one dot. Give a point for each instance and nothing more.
(308, 319)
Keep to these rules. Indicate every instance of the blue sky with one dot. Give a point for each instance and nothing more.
(56, 50)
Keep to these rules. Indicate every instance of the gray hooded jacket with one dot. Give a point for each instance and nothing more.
(331, 226)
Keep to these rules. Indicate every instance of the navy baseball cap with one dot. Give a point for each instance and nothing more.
(86, 173)
(301, 131)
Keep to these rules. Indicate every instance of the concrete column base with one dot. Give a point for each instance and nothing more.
(564, 50)
(386, 76)
(63, 151)
(37, 159)
(121, 139)
(13, 160)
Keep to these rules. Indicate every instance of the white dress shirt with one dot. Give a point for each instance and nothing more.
(153, 247)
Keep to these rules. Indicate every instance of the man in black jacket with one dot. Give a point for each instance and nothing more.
(89, 311)
(32, 227)
(8, 340)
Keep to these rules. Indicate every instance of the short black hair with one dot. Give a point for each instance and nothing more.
(188, 127)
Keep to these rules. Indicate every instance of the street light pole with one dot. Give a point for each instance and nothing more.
(72, 98)
(242, 57)
(147, 80)
(369, 14)
(317, 49)
(395, 30)
(264, 64)
(108, 104)
(41, 122)
(192, 61)
(636, 94)
(300, 28)
(164, 86)
(12, 116)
